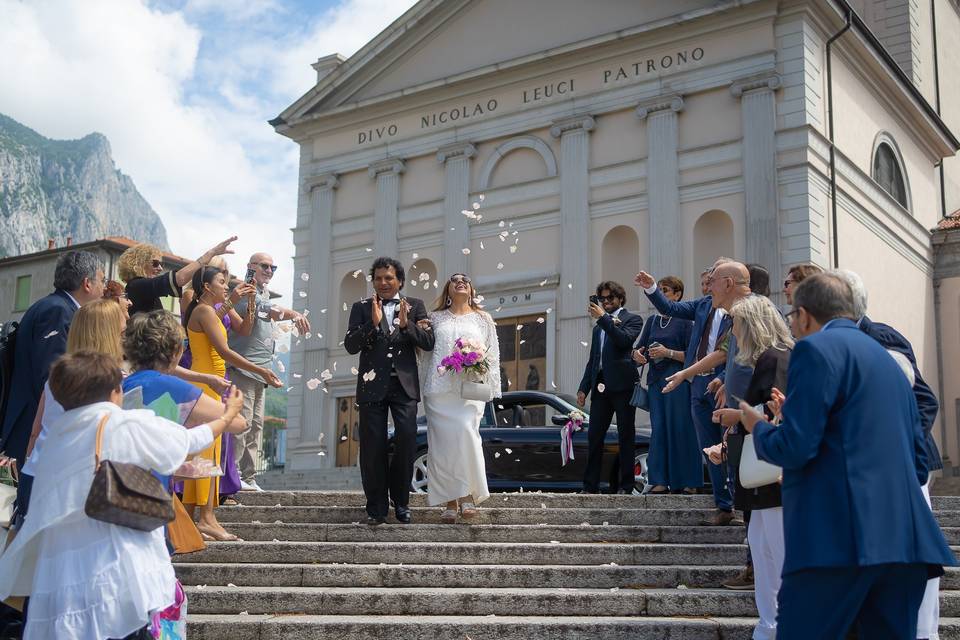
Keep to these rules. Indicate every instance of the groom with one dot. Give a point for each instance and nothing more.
(383, 329)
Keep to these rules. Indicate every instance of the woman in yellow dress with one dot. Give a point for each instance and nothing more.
(211, 352)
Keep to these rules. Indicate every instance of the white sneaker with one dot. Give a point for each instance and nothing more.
(249, 486)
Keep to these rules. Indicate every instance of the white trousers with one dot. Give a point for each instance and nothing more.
(928, 621)
(765, 535)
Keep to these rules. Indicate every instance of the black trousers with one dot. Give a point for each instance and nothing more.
(602, 409)
(380, 476)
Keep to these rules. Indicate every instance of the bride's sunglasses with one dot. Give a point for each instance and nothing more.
(460, 278)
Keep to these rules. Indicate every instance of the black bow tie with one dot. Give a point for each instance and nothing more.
(391, 301)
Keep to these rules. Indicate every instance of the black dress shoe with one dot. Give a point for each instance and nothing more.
(403, 515)
(374, 521)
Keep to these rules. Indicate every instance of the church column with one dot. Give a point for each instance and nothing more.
(573, 323)
(311, 355)
(387, 174)
(663, 178)
(759, 118)
(456, 228)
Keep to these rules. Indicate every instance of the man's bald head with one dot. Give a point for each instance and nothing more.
(261, 257)
(729, 282)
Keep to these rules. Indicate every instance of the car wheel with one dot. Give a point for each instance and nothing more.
(640, 472)
(418, 484)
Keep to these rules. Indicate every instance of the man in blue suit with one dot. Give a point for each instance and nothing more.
(860, 540)
(41, 339)
(726, 281)
(610, 375)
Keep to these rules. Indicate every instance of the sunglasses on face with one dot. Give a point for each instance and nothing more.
(606, 298)
(156, 264)
(458, 279)
(272, 268)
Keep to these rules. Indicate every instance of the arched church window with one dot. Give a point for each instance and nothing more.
(888, 172)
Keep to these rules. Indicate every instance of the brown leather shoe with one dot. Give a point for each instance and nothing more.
(743, 581)
(721, 518)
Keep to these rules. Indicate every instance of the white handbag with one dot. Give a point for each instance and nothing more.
(754, 472)
(479, 391)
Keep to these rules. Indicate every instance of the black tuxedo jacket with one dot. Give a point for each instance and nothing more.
(381, 351)
(619, 369)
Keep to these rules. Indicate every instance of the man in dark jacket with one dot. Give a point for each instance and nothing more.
(610, 376)
(383, 329)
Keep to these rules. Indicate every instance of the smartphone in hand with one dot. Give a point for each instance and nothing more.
(248, 278)
(595, 300)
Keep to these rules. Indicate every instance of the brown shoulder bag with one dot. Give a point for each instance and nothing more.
(125, 494)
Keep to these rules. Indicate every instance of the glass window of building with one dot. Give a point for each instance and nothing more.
(888, 174)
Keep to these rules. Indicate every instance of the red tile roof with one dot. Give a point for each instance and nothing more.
(952, 221)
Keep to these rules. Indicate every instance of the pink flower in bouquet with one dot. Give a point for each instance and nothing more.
(468, 355)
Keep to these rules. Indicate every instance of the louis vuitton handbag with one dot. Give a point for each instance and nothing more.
(125, 494)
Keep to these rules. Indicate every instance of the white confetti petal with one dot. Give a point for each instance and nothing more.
(519, 327)
(569, 285)
(423, 277)
(415, 256)
(302, 294)
(356, 274)
(51, 334)
(496, 454)
(325, 375)
(513, 248)
(549, 310)
(304, 276)
(601, 387)
(501, 224)
(465, 251)
(543, 282)
(312, 384)
(368, 249)
(508, 450)
(553, 384)
(584, 343)
(540, 320)
(354, 371)
(476, 205)
(499, 266)
(345, 306)
(481, 197)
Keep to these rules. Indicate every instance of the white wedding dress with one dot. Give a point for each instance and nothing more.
(455, 466)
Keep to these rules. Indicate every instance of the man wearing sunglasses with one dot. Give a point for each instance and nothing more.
(609, 376)
(258, 348)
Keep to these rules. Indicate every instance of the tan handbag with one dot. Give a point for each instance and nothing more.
(125, 494)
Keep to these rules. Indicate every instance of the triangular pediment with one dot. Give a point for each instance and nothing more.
(447, 40)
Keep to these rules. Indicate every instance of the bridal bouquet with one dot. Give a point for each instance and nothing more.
(575, 421)
(469, 358)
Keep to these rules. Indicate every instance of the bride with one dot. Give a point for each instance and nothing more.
(455, 469)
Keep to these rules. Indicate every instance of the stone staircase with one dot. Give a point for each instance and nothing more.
(544, 566)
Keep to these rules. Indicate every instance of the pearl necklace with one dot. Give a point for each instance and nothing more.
(660, 320)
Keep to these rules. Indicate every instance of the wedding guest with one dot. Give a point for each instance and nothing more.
(759, 279)
(41, 339)
(115, 291)
(455, 466)
(763, 344)
(153, 343)
(854, 456)
(609, 377)
(141, 268)
(211, 352)
(795, 275)
(386, 329)
(710, 325)
(894, 342)
(186, 296)
(88, 579)
(674, 462)
(257, 347)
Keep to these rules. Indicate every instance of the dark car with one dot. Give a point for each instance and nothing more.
(521, 445)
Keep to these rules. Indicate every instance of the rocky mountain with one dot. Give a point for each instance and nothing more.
(54, 189)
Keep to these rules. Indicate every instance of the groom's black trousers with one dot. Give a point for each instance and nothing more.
(378, 475)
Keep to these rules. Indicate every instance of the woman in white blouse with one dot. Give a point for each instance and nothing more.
(455, 468)
(87, 579)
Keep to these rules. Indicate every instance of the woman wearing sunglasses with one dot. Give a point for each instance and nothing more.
(455, 466)
(141, 268)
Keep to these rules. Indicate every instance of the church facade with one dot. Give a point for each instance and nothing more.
(542, 146)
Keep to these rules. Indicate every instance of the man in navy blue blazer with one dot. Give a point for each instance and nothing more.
(41, 339)
(726, 280)
(860, 540)
(610, 375)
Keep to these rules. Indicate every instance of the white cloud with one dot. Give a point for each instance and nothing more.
(185, 109)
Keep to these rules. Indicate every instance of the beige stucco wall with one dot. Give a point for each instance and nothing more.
(950, 343)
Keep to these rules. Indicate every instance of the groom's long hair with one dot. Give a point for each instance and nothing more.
(445, 299)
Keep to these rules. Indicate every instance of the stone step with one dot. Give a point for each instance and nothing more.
(474, 601)
(331, 532)
(431, 515)
(476, 553)
(514, 499)
(605, 576)
(256, 627)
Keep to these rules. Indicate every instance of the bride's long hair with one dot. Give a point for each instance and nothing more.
(446, 299)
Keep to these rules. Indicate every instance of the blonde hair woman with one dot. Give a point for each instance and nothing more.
(141, 268)
(97, 326)
(764, 343)
(456, 470)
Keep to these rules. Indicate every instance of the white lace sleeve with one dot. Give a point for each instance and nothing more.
(425, 359)
(493, 355)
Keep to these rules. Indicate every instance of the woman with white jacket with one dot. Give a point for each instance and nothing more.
(87, 579)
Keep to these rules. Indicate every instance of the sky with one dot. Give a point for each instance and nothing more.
(183, 90)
